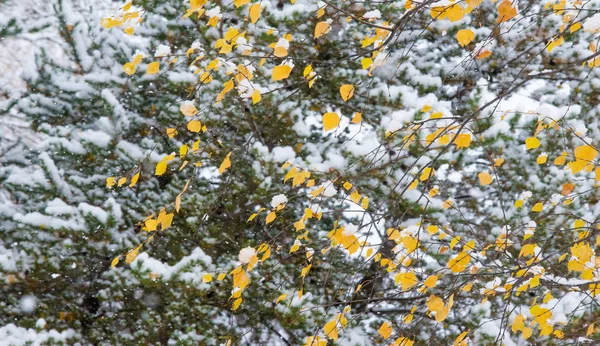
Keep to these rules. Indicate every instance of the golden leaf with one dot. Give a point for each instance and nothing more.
(330, 120)
(281, 72)
(134, 179)
(254, 12)
(194, 126)
(225, 164)
(346, 91)
(385, 330)
(464, 37)
(153, 68)
(321, 29)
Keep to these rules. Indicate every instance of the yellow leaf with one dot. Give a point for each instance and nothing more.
(385, 330)
(364, 203)
(236, 304)
(462, 140)
(256, 97)
(271, 217)
(585, 153)
(532, 143)
(110, 181)
(454, 241)
(432, 229)
(266, 255)
(321, 29)
(464, 37)
(171, 132)
(188, 109)
(407, 279)
(194, 126)
(164, 220)
(541, 159)
(527, 250)
(239, 3)
(355, 197)
(178, 202)
(134, 179)
(225, 164)
(484, 54)
(150, 225)
(281, 72)
(330, 329)
(555, 43)
(121, 181)
(347, 91)
(431, 281)
(317, 192)
(207, 278)
(183, 150)
(427, 173)
(295, 246)
(435, 304)
(485, 178)
(115, 261)
(254, 12)
(129, 68)
(560, 160)
(538, 207)
(460, 338)
(221, 276)
(153, 68)
(330, 120)
(129, 30)
(590, 330)
(455, 13)
(506, 11)
(280, 298)
(426, 108)
(413, 185)
(459, 263)
(498, 162)
(357, 118)
(366, 63)
(161, 168)
(137, 59)
(575, 27)
(131, 255)
(436, 115)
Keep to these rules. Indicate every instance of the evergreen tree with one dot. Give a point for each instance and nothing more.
(194, 172)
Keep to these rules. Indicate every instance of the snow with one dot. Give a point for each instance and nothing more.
(246, 255)
(41, 220)
(283, 43)
(59, 207)
(96, 212)
(592, 24)
(283, 154)
(28, 304)
(162, 50)
(277, 200)
(49, 208)
(41, 323)
(55, 175)
(13, 335)
(374, 14)
(98, 138)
